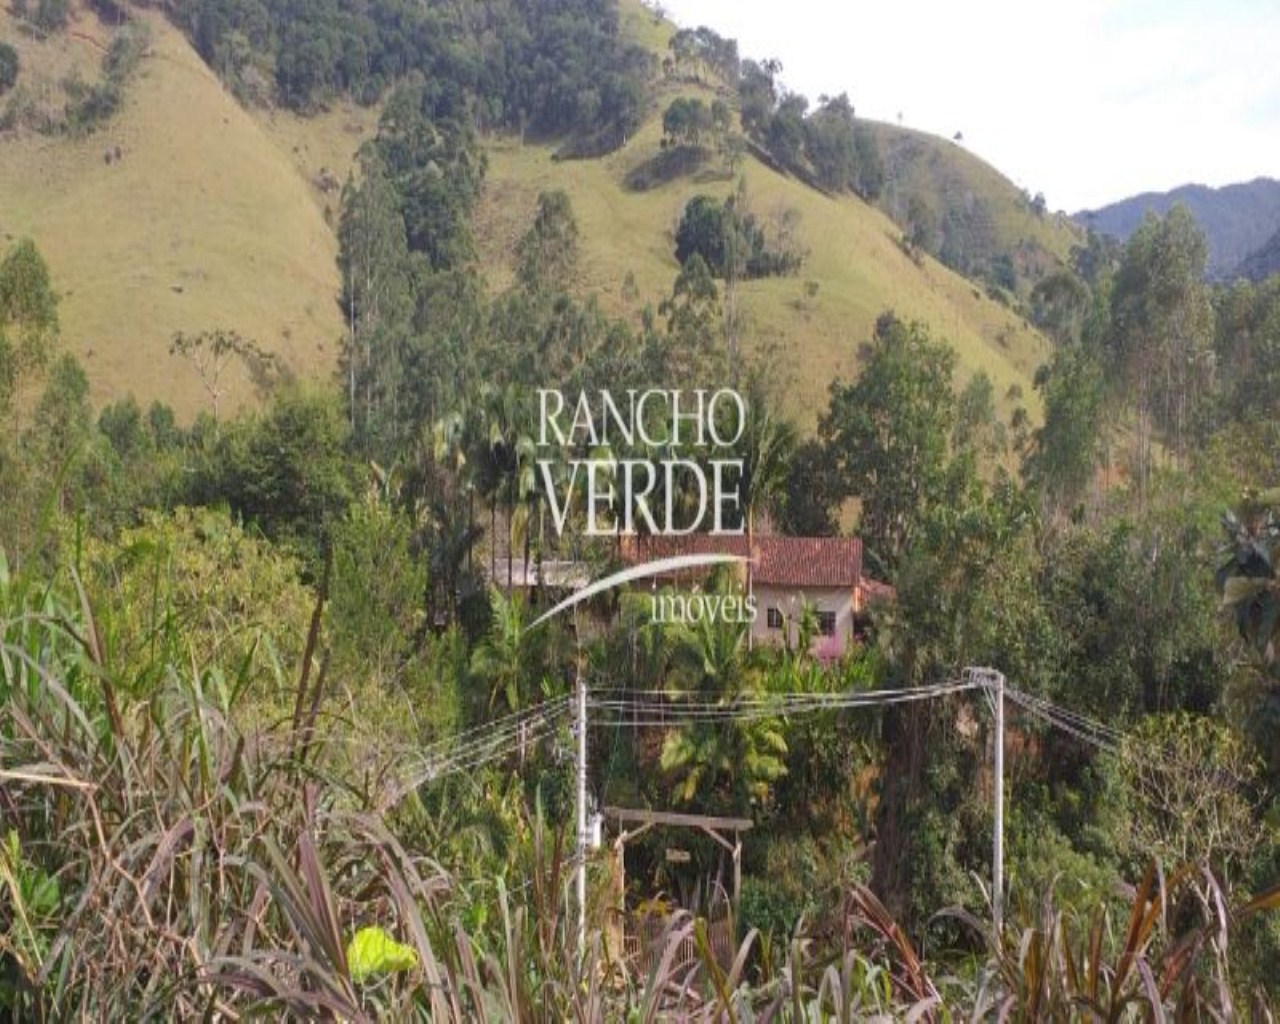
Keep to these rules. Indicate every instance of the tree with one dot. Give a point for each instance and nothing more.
(377, 297)
(63, 419)
(785, 135)
(871, 172)
(757, 95)
(28, 314)
(767, 444)
(286, 471)
(1068, 446)
(515, 665)
(1190, 780)
(513, 455)
(548, 253)
(8, 67)
(978, 433)
(887, 433)
(721, 766)
(831, 146)
(691, 355)
(51, 15)
(1247, 349)
(922, 223)
(1248, 578)
(1160, 340)
(210, 353)
(124, 428)
(966, 595)
(702, 232)
(686, 121)
(1059, 302)
(432, 159)
(810, 498)
(377, 592)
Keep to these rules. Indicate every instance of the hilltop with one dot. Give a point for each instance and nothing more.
(982, 218)
(221, 215)
(855, 260)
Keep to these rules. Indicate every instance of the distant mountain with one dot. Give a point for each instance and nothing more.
(1262, 262)
(1238, 220)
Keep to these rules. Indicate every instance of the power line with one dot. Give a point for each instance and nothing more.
(618, 708)
(670, 709)
(488, 744)
(1085, 729)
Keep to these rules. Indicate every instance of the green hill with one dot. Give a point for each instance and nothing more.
(204, 221)
(979, 214)
(214, 216)
(854, 259)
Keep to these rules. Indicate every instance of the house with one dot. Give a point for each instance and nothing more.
(787, 574)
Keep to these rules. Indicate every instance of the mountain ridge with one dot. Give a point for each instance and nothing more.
(1237, 219)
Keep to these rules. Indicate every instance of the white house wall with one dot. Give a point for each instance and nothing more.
(791, 604)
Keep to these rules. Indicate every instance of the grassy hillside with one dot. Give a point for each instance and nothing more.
(953, 180)
(203, 222)
(218, 217)
(854, 259)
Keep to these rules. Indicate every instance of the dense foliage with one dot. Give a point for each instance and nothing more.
(732, 242)
(552, 68)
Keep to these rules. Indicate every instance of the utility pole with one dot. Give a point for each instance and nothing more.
(993, 682)
(582, 808)
(997, 854)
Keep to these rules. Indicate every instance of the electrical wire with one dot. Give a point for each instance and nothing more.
(674, 708)
(1085, 729)
(619, 708)
(485, 745)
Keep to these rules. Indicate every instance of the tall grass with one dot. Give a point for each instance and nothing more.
(158, 862)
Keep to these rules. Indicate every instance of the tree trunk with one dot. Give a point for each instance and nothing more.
(904, 733)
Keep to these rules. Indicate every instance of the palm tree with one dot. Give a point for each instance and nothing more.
(514, 455)
(731, 761)
(502, 659)
(519, 667)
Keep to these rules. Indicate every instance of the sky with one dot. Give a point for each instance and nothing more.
(1087, 101)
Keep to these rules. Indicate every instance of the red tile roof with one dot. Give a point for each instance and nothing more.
(798, 562)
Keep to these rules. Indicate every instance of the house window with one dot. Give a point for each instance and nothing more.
(827, 623)
(774, 618)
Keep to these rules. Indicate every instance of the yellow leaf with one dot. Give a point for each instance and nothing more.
(373, 951)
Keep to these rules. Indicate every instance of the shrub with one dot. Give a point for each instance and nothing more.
(51, 15)
(8, 67)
